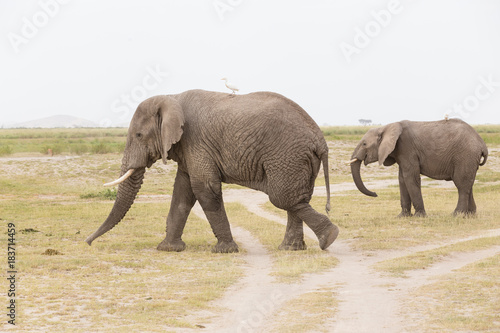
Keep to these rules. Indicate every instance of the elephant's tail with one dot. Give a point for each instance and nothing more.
(484, 155)
(324, 160)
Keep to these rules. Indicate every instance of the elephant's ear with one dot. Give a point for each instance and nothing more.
(171, 119)
(389, 136)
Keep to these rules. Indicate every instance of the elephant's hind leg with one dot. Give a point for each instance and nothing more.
(183, 200)
(465, 204)
(294, 235)
(472, 204)
(325, 230)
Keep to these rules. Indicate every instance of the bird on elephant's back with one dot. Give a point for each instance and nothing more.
(449, 150)
(260, 140)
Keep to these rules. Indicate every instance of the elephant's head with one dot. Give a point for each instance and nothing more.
(155, 127)
(376, 145)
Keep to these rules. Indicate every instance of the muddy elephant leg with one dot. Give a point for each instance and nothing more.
(209, 195)
(325, 230)
(413, 185)
(294, 235)
(405, 197)
(183, 200)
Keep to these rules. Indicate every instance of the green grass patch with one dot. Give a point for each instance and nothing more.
(5, 150)
(64, 141)
(489, 133)
(337, 133)
(108, 194)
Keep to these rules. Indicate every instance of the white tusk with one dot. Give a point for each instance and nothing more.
(352, 161)
(121, 179)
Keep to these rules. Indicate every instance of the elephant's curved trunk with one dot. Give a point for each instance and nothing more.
(356, 176)
(127, 191)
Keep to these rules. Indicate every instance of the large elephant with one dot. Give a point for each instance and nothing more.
(446, 150)
(261, 140)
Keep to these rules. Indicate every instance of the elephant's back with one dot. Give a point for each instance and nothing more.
(256, 135)
(263, 114)
(270, 105)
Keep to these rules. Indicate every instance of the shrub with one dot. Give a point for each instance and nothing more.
(5, 150)
(79, 149)
(109, 194)
(100, 147)
(56, 149)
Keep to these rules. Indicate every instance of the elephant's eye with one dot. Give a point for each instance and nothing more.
(364, 144)
(138, 135)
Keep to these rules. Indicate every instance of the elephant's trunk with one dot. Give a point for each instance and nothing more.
(127, 191)
(356, 176)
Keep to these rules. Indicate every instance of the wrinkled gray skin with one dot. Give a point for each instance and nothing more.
(445, 150)
(261, 140)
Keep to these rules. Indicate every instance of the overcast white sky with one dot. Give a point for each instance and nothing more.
(340, 60)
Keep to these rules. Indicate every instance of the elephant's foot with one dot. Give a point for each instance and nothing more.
(420, 213)
(225, 247)
(405, 213)
(327, 237)
(294, 245)
(465, 214)
(171, 246)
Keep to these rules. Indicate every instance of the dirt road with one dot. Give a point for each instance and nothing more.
(369, 301)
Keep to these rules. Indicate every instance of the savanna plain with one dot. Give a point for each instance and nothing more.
(383, 274)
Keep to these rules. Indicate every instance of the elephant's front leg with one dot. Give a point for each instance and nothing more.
(183, 200)
(413, 185)
(209, 195)
(405, 196)
(294, 235)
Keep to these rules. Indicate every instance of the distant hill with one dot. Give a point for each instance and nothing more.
(59, 121)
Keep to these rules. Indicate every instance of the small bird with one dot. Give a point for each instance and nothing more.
(230, 86)
(446, 117)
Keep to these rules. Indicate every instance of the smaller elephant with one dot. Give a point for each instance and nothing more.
(444, 150)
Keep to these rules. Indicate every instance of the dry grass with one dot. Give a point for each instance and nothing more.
(122, 281)
(307, 313)
(467, 300)
(424, 259)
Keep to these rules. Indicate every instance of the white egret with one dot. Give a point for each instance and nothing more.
(230, 86)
